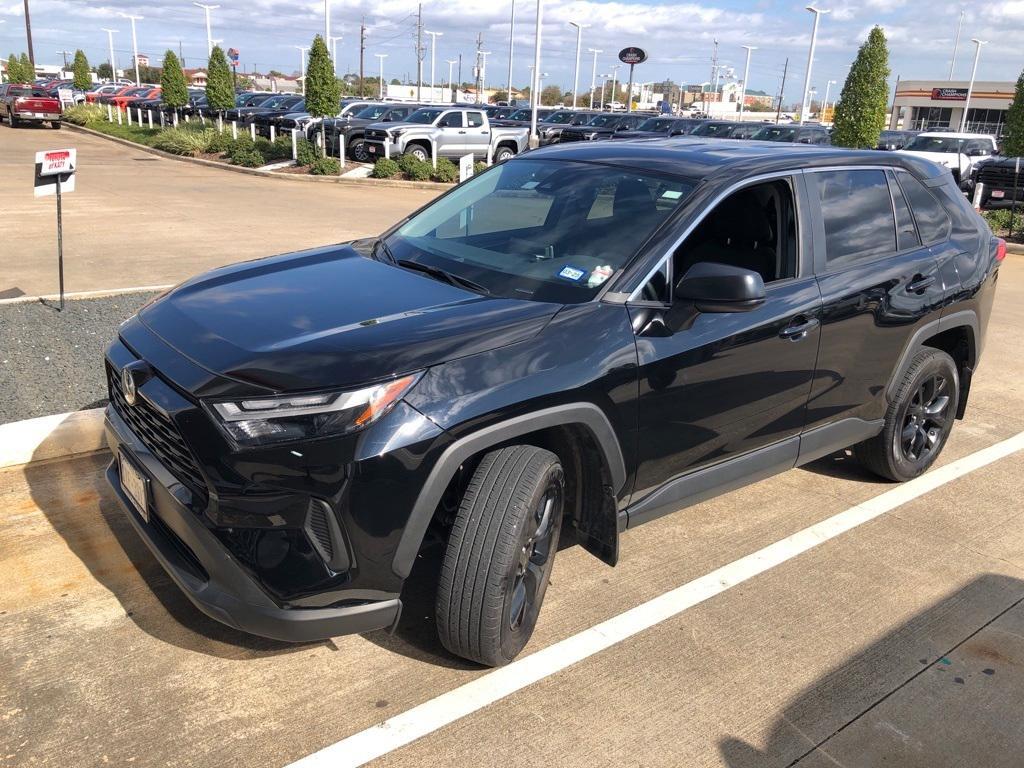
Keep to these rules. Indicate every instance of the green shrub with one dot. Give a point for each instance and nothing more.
(325, 166)
(306, 153)
(242, 147)
(182, 142)
(384, 168)
(446, 172)
(479, 167)
(407, 162)
(280, 149)
(247, 157)
(83, 114)
(999, 219)
(219, 142)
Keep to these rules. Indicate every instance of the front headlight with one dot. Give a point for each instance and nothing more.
(396, 132)
(261, 421)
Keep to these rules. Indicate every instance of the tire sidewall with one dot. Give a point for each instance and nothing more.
(514, 640)
(358, 151)
(503, 154)
(418, 152)
(939, 363)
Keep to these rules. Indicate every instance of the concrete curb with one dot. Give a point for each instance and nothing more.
(429, 185)
(51, 437)
(86, 294)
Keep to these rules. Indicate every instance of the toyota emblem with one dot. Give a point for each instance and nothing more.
(128, 385)
(133, 376)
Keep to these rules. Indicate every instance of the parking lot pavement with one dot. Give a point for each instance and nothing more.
(899, 642)
(139, 220)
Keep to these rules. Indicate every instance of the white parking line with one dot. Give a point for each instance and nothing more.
(396, 732)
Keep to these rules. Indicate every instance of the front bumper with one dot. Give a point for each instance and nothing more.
(207, 573)
(377, 148)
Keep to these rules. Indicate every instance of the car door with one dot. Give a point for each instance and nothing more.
(878, 283)
(478, 134)
(452, 134)
(715, 386)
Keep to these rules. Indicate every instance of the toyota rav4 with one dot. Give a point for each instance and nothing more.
(574, 342)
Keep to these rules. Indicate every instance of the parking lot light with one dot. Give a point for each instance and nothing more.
(380, 58)
(135, 44)
(110, 44)
(433, 57)
(334, 51)
(302, 65)
(593, 75)
(746, 74)
(209, 34)
(818, 13)
(970, 87)
(576, 71)
(534, 96)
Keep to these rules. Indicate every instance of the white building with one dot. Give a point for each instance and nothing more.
(939, 104)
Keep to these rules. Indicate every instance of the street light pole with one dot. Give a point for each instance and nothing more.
(824, 104)
(433, 56)
(334, 52)
(746, 74)
(483, 75)
(810, 61)
(451, 63)
(604, 81)
(511, 45)
(302, 65)
(615, 78)
(135, 45)
(110, 46)
(534, 96)
(576, 72)
(209, 34)
(956, 43)
(327, 21)
(380, 58)
(970, 88)
(593, 76)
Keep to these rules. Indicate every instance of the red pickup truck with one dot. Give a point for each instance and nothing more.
(20, 103)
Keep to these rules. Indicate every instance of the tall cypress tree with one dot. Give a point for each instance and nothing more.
(28, 72)
(13, 69)
(220, 93)
(1014, 144)
(860, 111)
(321, 86)
(174, 89)
(81, 70)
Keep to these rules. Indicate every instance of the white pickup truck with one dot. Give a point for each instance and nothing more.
(449, 131)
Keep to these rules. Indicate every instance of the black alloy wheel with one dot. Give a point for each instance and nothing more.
(925, 418)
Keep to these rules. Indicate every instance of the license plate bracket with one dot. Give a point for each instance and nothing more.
(998, 194)
(135, 485)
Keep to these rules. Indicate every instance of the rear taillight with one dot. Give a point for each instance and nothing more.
(1000, 249)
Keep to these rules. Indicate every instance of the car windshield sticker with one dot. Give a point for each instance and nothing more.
(572, 273)
(672, 194)
(599, 276)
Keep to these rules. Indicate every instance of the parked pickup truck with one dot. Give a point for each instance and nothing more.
(455, 132)
(353, 127)
(1002, 179)
(28, 104)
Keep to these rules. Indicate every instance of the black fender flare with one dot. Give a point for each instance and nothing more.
(585, 414)
(967, 318)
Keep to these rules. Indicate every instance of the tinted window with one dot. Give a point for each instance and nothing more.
(932, 221)
(857, 212)
(906, 232)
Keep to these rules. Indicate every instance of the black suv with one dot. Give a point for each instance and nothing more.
(581, 339)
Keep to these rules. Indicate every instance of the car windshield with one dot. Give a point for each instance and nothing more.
(521, 114)
(273, 101)
(559, 118)
(372, 113)
(776, 133)
(424, 116)
(936, 144)
(602, 121)
(659, 124)
(541, 230)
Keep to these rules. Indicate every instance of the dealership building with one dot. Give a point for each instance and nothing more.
(939, 105)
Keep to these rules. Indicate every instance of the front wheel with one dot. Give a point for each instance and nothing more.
(359, 152)
(503, 153)
(918, 421)
(499, 555)
(419, 152)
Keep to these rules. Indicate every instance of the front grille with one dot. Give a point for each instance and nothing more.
(376, 135)
(573, 136)
(998, 176)
(158, 433)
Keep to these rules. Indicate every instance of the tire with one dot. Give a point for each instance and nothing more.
(419, 152)
(504, 153)
(918, 421)
(55, 124)
(358, 151)
(15, 122)
(499, 555)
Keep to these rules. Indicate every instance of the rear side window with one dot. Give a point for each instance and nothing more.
(857, 211)
(475, 119)
(932, 221)
(906, 232)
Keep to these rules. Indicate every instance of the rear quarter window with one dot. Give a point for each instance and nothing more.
(932, 219)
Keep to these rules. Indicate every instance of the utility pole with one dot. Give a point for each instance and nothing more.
(65, 54)
(782, 91)
(28, 36)
(477, 69)
(110, 46)
(362, 52)
(511, 39)
(419, 54)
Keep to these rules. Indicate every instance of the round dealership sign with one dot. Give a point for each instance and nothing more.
(632, 55)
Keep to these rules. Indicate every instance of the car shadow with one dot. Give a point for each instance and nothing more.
(73, 496)
(842, 465)
(937, 648)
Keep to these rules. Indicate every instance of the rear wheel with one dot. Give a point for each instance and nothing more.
(499, 555)
(55, 124)
(918, 421)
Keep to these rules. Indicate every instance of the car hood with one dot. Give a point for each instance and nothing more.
(331, 317)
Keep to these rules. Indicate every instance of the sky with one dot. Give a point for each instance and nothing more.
(678, 36)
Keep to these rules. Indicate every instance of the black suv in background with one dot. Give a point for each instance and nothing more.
(352, 127)
(796, 134)
(581, 339)
(603, 125)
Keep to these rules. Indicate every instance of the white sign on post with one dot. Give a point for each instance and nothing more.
(465, 167)
(65, 95)
(53, 165)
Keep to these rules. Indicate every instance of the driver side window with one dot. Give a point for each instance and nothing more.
(451, 120)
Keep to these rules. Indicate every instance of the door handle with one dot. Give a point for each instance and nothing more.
(920, 283)
(461, 131)
(799, 328)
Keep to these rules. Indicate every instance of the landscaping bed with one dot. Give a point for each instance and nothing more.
(1003, 220)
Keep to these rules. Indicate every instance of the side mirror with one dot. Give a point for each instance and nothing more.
(713, 287)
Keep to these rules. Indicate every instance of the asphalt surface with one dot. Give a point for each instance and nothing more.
(139, 220)
(52, 361)
(899, 642)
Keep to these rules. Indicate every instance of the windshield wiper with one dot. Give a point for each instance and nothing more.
(441, 274)
(381, 248)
